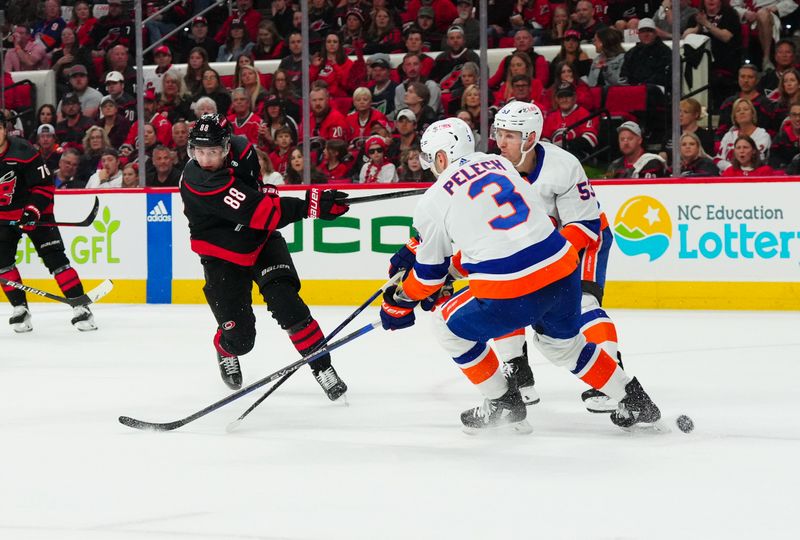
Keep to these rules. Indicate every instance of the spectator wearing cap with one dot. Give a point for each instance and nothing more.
(48, 146)
(113, 122)
(415, 45)
(447, 66)
(198, 37)
(82, 22)
(276, 117)
(161, 170)
(650, 60)
(363, 116)
(378, 169)
(243, 121)
(244, 15)
(325, 123)
(568, 126)
(163, 58)
(332, 66)
(109, 175)
(749, 90)
(48, 29)
(472, 28)
(166, 21)
(27, 54)
(64, 174)
(281, 13)
(635, 162)
(237, 44)
(337, 164)
(126, 103)
(572, 53)
(116, 28)
(352, 32)
(88, 96)
(416, 99)
(269, 43)
(405, 136)
(606, 68)
(381, 84)
(68, 55)
(443, 12)
(412, 68)
(431, 36)
(73, 126)
(523, 43)
(117, 59)
(585, 21)
(520, 73)
(161, 126)
(383, 36)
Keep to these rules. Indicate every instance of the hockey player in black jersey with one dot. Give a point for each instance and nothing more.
(26, 195)
(233, 226)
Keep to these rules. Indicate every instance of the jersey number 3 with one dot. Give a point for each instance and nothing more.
(506, 195)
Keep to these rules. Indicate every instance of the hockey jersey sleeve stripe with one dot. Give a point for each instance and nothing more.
(418, 289)
(266, 215)
(214, 192)
(432, 272)
(561, 265)
(521, 261)
(578, 235)
(243, 259)
(20, 160)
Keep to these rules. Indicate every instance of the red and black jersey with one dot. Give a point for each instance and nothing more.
(555, 125)
(25, 180)
(229, 217)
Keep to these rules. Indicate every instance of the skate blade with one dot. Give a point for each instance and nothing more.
(343, 400)
(529, 395)
(600, 405)
(85, 328)
(653, 428)
(21, 328)
(522, 427)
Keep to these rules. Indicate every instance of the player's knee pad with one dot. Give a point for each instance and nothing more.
(561, 352)
(54, 259)
(237, 339)
(284, 302)
(453, 344)
(509, 346)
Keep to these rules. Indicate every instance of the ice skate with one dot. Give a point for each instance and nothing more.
(230, 370)
(519, 370)
(636, 410)
(83, 319)
(20, 320)
(596, 401)
(333, 386)
(506, 413)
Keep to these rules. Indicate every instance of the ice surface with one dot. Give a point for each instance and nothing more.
(394, 464)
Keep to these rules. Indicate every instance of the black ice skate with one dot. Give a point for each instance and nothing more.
(333, 386)
(230, 370)
(20, 320)
(519, 369)
(636, 408)
(83, 319)
(507, 412)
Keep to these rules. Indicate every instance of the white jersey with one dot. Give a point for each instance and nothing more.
(508, 245)
(560, 184)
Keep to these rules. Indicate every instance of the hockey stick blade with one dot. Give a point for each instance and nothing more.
(88, 298)
(385, 196)
(169, 426)
(88, 220)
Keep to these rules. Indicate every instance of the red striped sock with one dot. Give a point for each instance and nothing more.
(305, 339)
(69, 282)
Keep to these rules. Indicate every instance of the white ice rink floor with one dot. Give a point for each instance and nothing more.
(394, 464)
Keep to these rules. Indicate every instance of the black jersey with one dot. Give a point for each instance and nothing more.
(25, 180)
(229, 217)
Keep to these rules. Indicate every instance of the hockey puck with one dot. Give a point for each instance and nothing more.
(685, 423)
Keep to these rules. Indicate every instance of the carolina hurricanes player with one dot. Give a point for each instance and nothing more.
(26, 195)
(521, 271)
(560, 184)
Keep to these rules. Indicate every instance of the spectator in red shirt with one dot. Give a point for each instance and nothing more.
(580, 140)
(382, 35)
(244, 12)
(519, 64)
(269, 43)
(337, 164)
(283, 149)
(82, 22)
(325, 123)
(361, 119)
(414, 44)
(332, 66)
(564, 72)
(747, 159)
(243, 120)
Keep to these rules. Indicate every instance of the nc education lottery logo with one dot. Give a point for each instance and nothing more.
(643, 227)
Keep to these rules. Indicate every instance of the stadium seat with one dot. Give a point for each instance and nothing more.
(624, 101)
(505, 43)
(342, 104)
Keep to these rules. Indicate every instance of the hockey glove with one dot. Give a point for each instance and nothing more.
(30, 216)
(397, 310)
(326, 204)
(405, 258)
(439, 297)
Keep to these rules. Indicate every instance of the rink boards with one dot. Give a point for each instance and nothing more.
(677, 244)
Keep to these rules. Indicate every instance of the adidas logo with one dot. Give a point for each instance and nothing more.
(159, 213)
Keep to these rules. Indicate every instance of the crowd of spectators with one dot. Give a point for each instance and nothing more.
(368, 112)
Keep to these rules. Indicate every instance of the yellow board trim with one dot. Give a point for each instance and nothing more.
(125, 291)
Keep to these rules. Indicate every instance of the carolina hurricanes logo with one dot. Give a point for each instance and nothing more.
(8, 183)
(228, 325)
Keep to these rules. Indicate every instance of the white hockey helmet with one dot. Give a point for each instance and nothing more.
(452, 136)
(520, 116)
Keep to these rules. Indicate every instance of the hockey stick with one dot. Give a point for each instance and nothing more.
(88, 220)
(233, 425)
(384, 196)
(88, 298)
(169, 426)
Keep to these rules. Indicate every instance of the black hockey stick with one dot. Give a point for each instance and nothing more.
(88, 298)
(88, 220)
(169, 426)
(233, 425)
(384, 196)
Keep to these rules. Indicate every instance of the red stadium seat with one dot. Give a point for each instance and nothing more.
(623, 101)
(505, 43)
(226, 81)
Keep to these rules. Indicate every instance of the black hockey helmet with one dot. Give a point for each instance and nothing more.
(211, 130)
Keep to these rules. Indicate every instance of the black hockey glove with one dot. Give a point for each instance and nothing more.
(30, 216)
(326, 204)
(397, 310)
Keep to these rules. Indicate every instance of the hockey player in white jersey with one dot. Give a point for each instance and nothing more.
(522, 272)
(560, 184)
